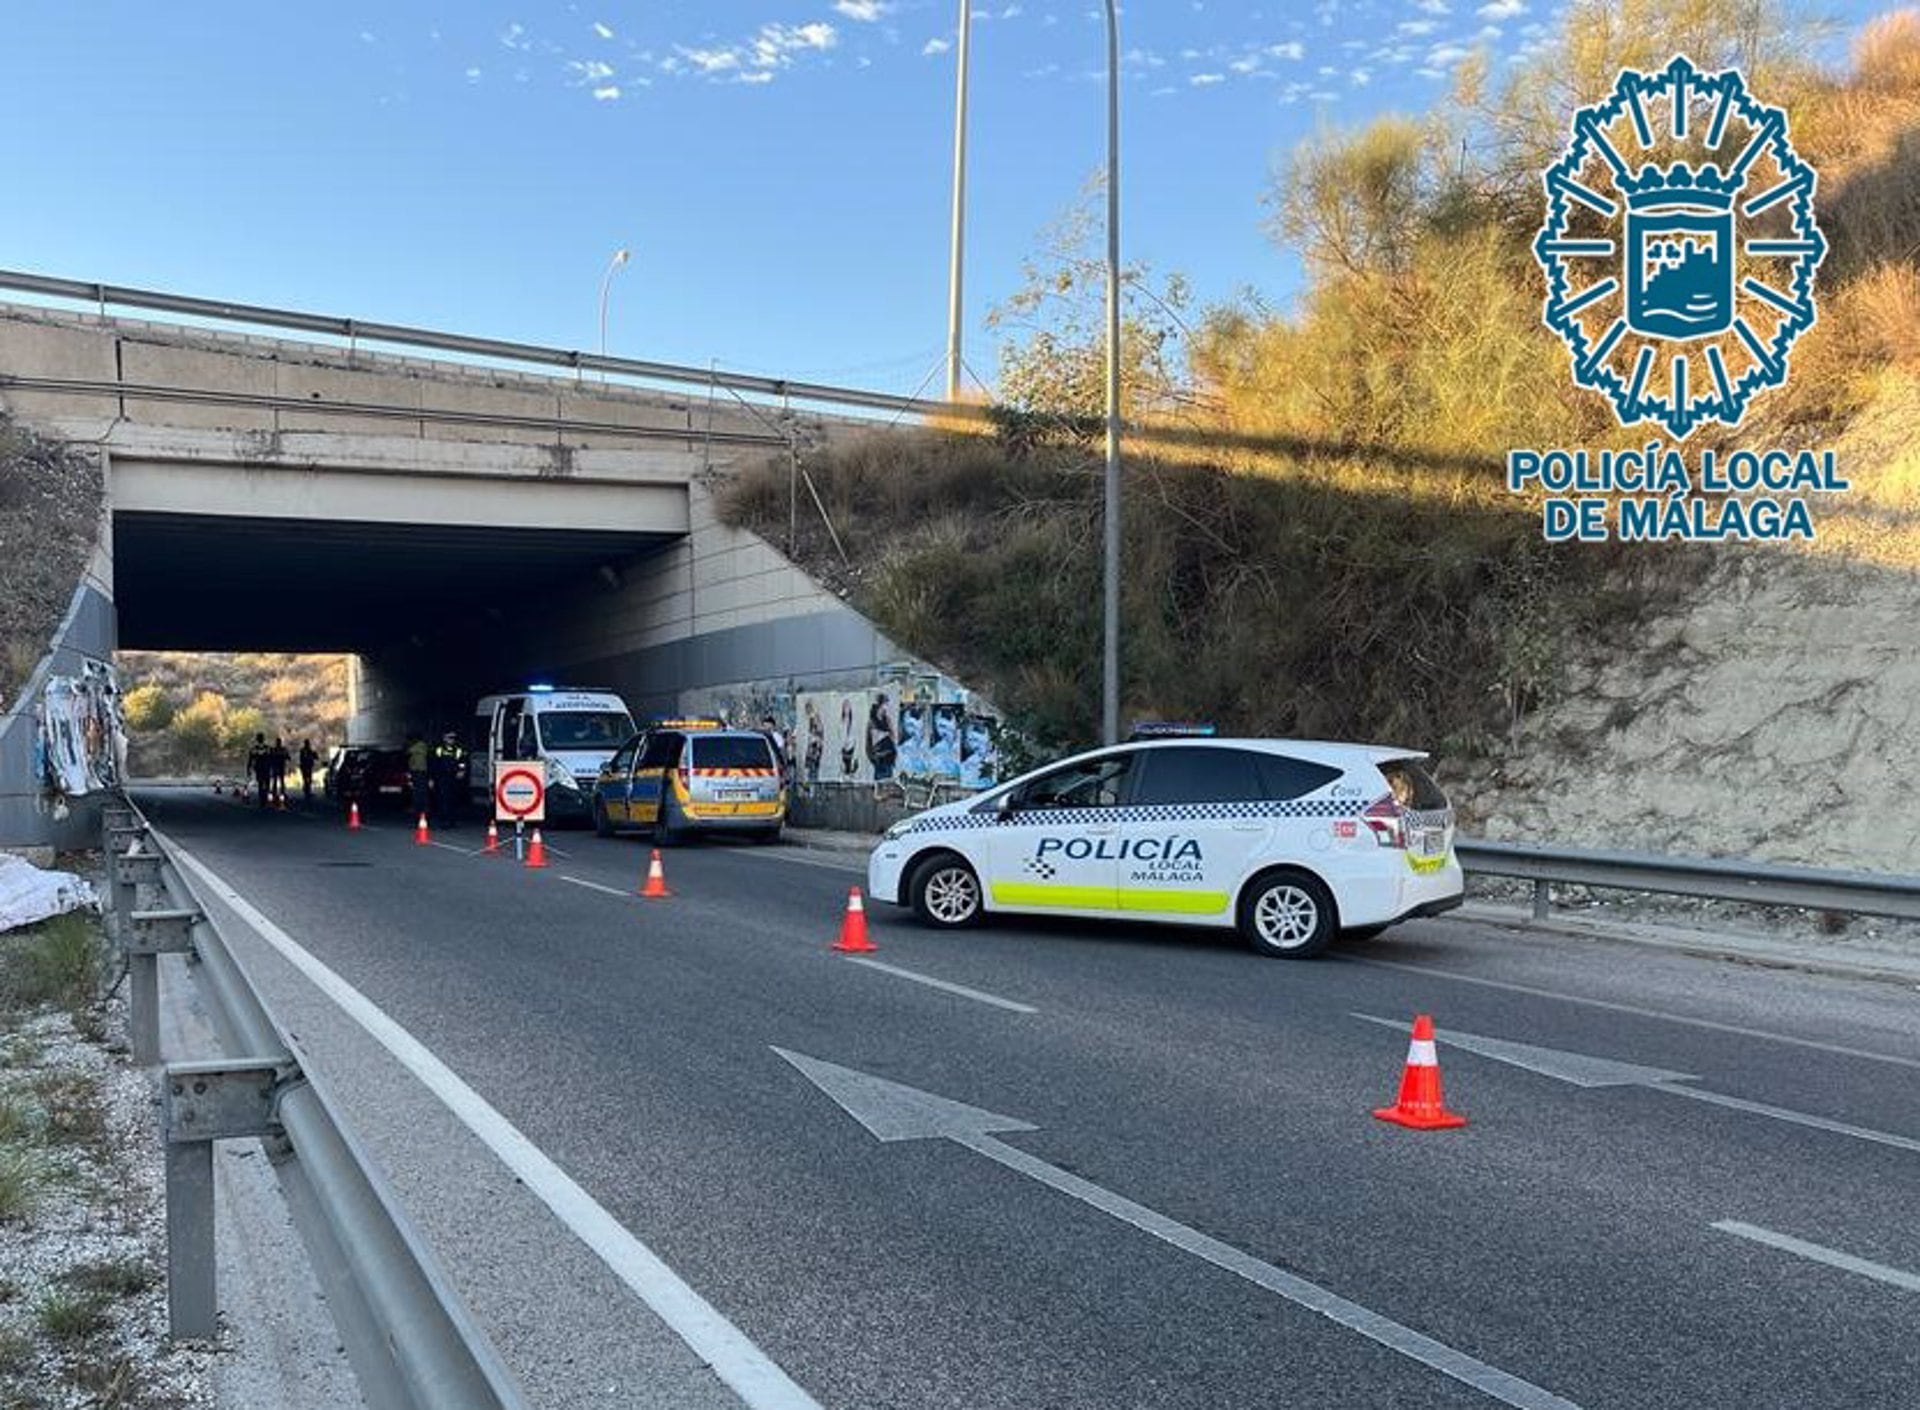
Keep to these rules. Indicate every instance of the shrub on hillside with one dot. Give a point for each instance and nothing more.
(147, 707)
(199, 730)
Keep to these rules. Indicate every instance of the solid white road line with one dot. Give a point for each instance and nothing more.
(1611, 1006)
(450, 847)
(1832, 1257)
(978, 995)
(745, 1368)
(596, 886)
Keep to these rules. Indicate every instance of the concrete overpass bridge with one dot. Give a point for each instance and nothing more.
(457, 526)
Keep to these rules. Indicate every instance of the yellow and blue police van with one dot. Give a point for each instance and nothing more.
(680, 777)
(1293, 842)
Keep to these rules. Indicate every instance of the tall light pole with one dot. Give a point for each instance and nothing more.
(959, 207)
(1110, 660)
(620, 257)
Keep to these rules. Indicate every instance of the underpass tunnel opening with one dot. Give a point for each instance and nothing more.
(431, 616)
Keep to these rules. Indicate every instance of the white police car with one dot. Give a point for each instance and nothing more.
(1291, 841)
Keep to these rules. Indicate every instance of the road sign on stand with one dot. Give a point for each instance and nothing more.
(520, 792)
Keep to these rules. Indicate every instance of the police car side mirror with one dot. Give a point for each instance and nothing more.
(1003, 807)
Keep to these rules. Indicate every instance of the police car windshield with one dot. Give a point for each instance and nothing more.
(584, 729)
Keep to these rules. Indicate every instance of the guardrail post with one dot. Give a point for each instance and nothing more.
(147, 935)
(204, 1102)
(1542, 900)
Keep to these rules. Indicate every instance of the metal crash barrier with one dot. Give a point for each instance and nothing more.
(412, 1343)
(1707, 878)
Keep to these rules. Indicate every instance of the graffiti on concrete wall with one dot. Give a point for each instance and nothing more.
(82, 744)
(870, 736)
(910, 725)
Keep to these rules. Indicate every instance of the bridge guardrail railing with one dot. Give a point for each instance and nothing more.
(1707, 878)
(357, 331)
(409, 1336)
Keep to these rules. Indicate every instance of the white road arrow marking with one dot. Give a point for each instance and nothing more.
(893, 1111)
(1577, 1068)
(1582, 1070)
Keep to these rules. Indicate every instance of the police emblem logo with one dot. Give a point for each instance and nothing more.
(1680, 247)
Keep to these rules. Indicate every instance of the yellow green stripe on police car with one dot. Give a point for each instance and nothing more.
(1165, 901)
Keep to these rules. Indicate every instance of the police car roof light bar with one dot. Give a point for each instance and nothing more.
(1171, 729)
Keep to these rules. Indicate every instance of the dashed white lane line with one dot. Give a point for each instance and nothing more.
(596, 886)
(451, 847)
(808, 857)
(736, 1360)
(977, 995)
(1832, 1257)
(1611, 1006)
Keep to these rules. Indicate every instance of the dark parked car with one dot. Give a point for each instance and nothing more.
(368, 774)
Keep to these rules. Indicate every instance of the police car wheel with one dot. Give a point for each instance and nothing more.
(945, 893)
(1288, 916)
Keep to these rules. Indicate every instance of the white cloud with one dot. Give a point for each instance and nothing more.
(514, 36)
(1292, 49)
(473, 75)
(591, 70)
(862, 11)
(602, 30)
(608, 94)
(1442, 56)
(1416, 27)
(1205, 80)
(1360, 78)
(757, 76)
(366, 37)
(775, 43)
(712, 60)
(1245, 65)
(936, 46)
(1433, 7)
(1502, 9)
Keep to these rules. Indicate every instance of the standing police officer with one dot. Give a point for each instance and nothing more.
(449, 766)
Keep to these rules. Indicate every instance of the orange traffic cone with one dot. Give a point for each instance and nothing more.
(656, 886)
(537, 851)
(421, 836)
(1420, 1105)
(353, 817)
(493, 838)
(853, 929)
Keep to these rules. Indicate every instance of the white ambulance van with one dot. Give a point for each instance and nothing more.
(572, 730)
(1291, 841)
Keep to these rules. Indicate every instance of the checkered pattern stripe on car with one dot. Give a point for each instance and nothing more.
(1157, 812)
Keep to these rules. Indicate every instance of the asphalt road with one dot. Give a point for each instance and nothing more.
(1185, 1098)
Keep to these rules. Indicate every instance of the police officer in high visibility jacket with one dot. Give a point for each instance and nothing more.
(418, 757)
(449, 767)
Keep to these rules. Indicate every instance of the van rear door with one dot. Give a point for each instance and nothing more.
(731, 769)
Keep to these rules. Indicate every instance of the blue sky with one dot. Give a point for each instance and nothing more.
(780, 168)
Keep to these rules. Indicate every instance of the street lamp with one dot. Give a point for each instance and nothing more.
(1110, 659)
(620, 257)
(959, 207)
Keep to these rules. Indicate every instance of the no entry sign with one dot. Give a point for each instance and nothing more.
(519, 792)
